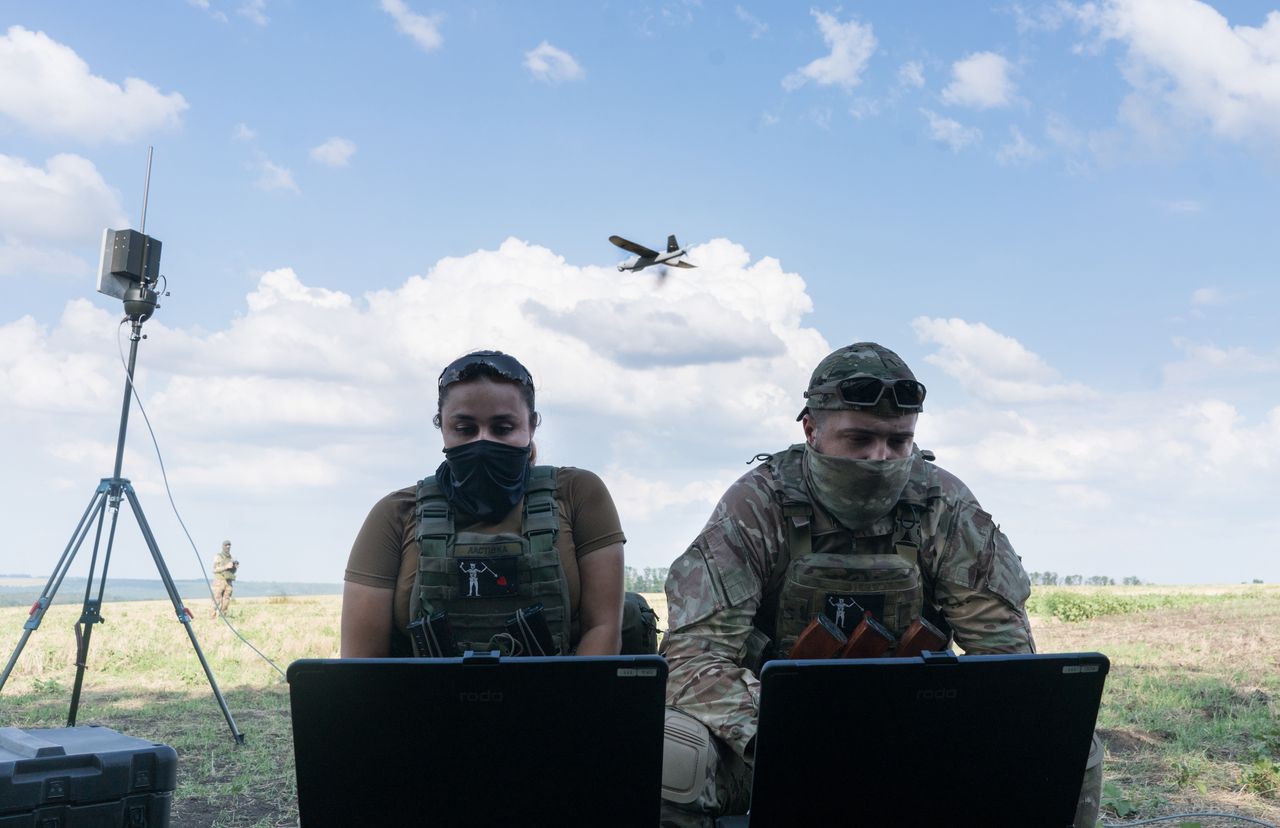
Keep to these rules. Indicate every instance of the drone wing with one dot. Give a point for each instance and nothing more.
(679, 263)
(632, 247)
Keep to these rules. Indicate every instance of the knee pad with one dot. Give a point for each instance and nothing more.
(686, 752)
(1095, 752)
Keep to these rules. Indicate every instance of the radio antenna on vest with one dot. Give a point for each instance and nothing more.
(130, 271)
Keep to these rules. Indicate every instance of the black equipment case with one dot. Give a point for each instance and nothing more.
(77, 777)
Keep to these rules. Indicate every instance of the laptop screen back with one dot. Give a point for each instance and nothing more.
(528, 741)
(974, 740)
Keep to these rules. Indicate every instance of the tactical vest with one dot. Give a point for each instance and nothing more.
(837, 572)
(481, 580)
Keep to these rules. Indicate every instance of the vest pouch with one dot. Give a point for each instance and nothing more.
(639, 631)
(489, 578)
(841, 586)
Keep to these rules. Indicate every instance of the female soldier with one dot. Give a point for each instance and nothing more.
(491, 552)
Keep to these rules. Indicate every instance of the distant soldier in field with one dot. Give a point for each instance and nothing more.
(224, 576)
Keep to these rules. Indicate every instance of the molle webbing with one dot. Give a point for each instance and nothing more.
(818, 567)
(531, 558)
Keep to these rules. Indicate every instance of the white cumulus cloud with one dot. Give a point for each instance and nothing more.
(665, 389)
(980, 81)
(551, 65)
(48, 88)
(1185, 60)
(1208, 296)
(311, 395)
(19, 258)
(758, 27)
(949, 131)
(272, 176)
(255, 11)
(852, 44)
(424, 30)
(1203, 361)
(1018, 150)
(65, 201)
(336, 152)
(911, 75)
(993, 366)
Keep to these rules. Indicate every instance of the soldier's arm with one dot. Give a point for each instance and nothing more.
(713, 593)
(981, 586)
(368, 593)
(366, 621)
(600, 607)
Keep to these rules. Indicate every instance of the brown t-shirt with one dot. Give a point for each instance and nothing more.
(385, 553)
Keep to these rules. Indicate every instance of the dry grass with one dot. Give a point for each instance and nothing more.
(1189, 713)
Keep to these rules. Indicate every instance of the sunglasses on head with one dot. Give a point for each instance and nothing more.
(505, 365)
(866, 390)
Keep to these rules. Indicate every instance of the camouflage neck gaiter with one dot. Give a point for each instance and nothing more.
(856, 492)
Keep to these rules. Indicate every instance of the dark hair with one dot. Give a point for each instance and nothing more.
(492, 365)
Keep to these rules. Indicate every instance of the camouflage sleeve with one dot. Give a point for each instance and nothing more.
(980, 584)
(713, 592)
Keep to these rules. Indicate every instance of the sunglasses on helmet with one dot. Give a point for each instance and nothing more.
(866, 390)
(505, 365)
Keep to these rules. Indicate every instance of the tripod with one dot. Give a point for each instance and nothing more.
(139, 303)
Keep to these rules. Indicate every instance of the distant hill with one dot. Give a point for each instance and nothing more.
(20, 591)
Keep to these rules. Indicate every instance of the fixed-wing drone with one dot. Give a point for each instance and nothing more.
(647, 258)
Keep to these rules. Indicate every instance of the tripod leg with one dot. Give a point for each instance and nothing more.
(184, 615)
(42, 604)
(91, 611)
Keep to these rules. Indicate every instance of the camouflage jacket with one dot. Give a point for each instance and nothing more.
(224, 566)
(970, 572)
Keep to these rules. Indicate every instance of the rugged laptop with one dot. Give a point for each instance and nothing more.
(927, 741)
(478, 740)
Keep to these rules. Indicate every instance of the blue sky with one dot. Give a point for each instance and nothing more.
(1061, 214)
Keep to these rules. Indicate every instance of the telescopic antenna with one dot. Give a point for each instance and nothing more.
(146, 189)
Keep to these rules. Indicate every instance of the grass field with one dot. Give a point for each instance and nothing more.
(1190, 717)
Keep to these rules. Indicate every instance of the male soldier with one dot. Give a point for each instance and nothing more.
(224, 576)
(856, 505)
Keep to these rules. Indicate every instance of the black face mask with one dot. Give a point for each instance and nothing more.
(483, 479)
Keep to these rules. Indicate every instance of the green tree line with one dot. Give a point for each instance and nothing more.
(649, 579)
(1053, 579)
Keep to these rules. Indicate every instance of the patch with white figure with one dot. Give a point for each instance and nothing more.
(845, 608)
(487, 577)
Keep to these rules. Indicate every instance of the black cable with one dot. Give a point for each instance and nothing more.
(133, 389)
(1184, 816)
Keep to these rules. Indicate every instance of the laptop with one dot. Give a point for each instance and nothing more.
(478, 740)
(939, 739)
